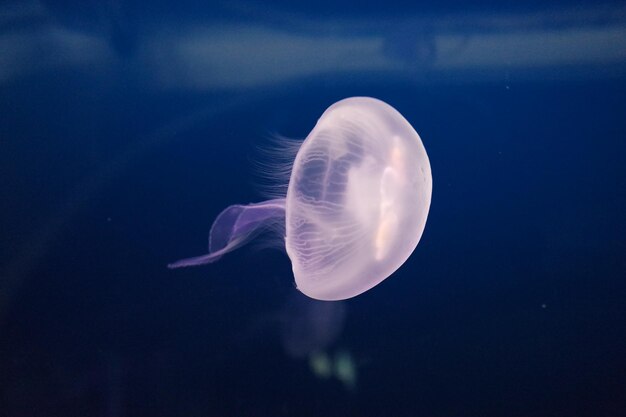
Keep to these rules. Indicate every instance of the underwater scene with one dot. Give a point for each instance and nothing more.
(330, 208)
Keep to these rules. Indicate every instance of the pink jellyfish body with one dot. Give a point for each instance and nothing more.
(356, 204)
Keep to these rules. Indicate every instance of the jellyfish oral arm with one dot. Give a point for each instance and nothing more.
(234, 227)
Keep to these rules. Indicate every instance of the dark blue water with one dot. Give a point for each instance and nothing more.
(126, 127)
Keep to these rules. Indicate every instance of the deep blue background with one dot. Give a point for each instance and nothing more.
(119, 145)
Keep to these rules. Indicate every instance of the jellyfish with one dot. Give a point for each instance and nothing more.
(356, 204)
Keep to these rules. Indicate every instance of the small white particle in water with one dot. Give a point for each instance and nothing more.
(108, 219)
(544, 305)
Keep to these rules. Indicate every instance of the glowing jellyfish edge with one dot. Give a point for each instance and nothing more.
(356, 205)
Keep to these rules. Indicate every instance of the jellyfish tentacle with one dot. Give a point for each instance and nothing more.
(234, 227)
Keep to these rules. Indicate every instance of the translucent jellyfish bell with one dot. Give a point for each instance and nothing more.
(356, 204)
